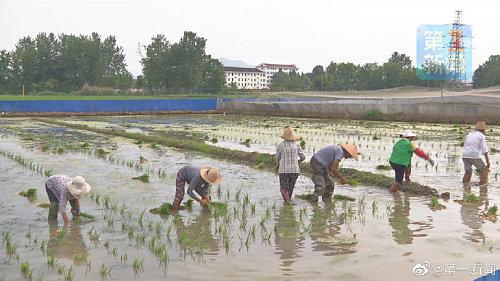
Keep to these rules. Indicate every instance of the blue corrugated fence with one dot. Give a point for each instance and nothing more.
(108, 105)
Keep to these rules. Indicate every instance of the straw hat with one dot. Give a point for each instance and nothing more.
(481, 126)
(408, 134)
(78, 186)
(211, 175)
(289, 134)
(351, 149)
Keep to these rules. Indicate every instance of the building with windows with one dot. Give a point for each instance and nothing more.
(270, 69)
(249, 78)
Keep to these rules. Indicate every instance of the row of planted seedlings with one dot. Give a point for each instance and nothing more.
(98, 152)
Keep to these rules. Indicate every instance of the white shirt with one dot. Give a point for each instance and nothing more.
(475, 145)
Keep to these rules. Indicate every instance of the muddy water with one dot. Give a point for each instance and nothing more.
(380, 237)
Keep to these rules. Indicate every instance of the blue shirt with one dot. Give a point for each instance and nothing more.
(327, 155)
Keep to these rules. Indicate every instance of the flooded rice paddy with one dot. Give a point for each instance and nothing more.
(377, 237)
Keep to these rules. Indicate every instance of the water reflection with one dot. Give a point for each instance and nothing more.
(470, 214)
(195, 237)
(287, 237)
(66, 242)
(326, 231)
(399, 220)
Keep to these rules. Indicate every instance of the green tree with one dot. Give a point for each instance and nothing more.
(24, 64)
(488, 74)
(5, 72)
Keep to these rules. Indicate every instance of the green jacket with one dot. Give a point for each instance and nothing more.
(402, 152)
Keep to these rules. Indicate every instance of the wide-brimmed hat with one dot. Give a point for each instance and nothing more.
(481, 126)
(289, 134)
(408, 134)
(211, 175)
(351, 149)
(78, 186)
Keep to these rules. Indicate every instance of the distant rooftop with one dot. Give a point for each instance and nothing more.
(278, 65)
(242, 69)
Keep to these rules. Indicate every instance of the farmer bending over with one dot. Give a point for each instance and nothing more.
(62, 189)
(474, 146)
(400, 160)
(288, 156)
(327, 160)
(198, 180)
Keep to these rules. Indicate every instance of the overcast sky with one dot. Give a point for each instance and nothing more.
(305, 33)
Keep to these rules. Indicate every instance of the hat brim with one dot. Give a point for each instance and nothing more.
(203, 172)
(353, 154)
(291, 138)
(78, 192)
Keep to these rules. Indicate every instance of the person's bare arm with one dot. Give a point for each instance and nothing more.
(487, 158)
(335, 171)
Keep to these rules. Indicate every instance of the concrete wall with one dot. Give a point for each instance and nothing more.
(465, 109)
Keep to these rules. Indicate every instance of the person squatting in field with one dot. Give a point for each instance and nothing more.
(62, 189)
(327, 160)
(198, 179)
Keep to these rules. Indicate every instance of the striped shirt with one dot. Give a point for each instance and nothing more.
(59, 185)
(288, 155)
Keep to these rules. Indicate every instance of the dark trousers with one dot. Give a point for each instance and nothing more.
(323, 184)
(399, 171)
(287, 184)
(54, 205)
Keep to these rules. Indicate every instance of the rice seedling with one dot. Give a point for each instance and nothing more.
(141, 218)
(138, 264)
(104, 271)
(69, 274)
(61, 233)
(30, 194)
(61, 269)
(51, 261)
(106, 245)
(253, 208)
(435, 205)
(144, 178)
(246, 142)
(142, 159)
(94, 235)
(384, 167)
(123, 258)
(44, 205)
(340, 197)
(26, 270)
(43, 246)
(48, 172)
(189, 204)
(140, 239)
(114, 252)
(353, 182)
(100, 153)
(374, 206)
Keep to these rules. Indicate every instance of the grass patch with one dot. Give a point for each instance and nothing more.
(384, 167)
(144, 178)
(353, 182)
(340, 197)
(262, 161)
(306, 196)
(44, 205)
(30, 194)
(220, 206)
(435, 205)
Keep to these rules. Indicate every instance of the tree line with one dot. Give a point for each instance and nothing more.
(63, 63)
(68, 62)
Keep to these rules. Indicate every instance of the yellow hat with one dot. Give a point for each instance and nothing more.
(351, 149)
(289, 134)
(481, 126)
(211, 175)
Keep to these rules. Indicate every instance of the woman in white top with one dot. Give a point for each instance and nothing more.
(474, 146)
